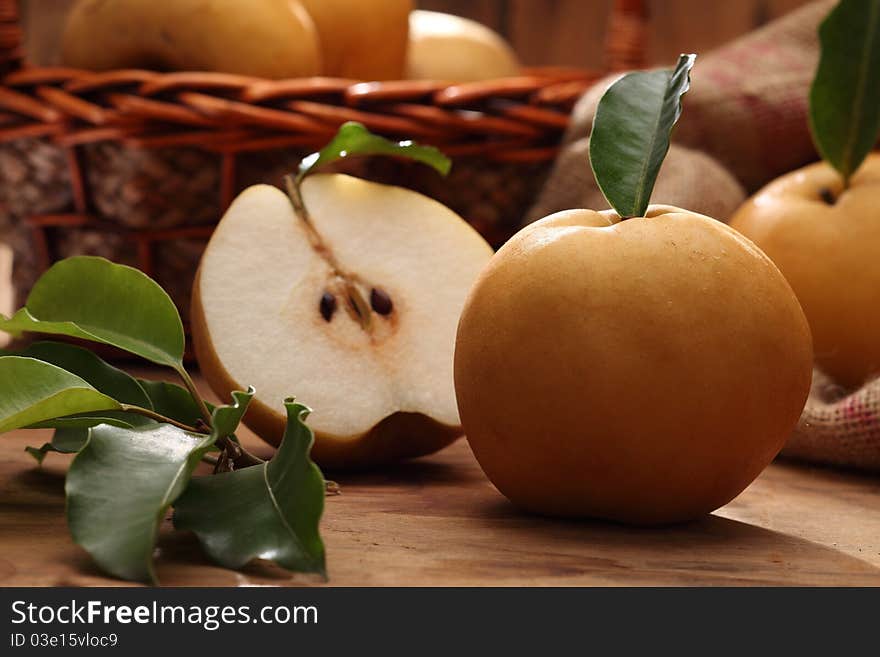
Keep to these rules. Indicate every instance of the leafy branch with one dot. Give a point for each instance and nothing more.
(137, 442)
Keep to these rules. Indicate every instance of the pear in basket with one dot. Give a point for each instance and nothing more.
(272, 38)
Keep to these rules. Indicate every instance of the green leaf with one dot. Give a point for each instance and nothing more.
(73, 429)
(94, 299)
(32, 391)
(88, 366)
(354, 139)
(172, 401)
(69, 442)
(88, 420)
(845, 96)
(39, 453)
(631, 133)
(175, 402)
(122, 483)
(65, 441)
(119, 488)
(268, 511)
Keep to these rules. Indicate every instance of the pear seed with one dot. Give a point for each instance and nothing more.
(380, 301)
(327, 306)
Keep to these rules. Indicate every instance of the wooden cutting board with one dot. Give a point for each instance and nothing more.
(438, 522)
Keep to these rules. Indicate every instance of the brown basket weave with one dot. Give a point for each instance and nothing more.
(138, 166)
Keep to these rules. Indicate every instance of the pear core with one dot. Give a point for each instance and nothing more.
(378, 377)
(652, 367)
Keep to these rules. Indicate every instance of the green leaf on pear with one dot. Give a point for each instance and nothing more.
(845, 94)
(123, 481)
(354, 139)
(631, 134)
(33, 391)
(94, 299)
(267, 511)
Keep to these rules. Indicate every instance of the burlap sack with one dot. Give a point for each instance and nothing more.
(747, 106)
(838, 427)
(688, 179)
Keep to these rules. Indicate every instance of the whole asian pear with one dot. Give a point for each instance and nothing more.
(826, 240)
(642, 370)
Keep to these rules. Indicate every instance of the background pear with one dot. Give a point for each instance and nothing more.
(270, 38)
(826, 240)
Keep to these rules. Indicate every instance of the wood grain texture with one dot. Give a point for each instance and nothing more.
(560, 32)
(438, 522)
(678, 26)
(573, 32)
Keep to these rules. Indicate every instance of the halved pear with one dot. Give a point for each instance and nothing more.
(352, 309)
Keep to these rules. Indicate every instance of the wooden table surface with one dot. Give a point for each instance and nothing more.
(437, 521)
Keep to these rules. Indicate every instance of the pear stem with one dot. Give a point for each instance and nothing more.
(827, 196)
(234, 456)
(356, 304)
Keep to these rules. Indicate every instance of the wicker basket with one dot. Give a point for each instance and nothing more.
(138, 166)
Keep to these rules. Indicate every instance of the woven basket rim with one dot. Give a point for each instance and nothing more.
(517, 120)
(76, 106)
(143, 107)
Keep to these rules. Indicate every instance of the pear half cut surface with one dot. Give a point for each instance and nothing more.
(352, 309)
